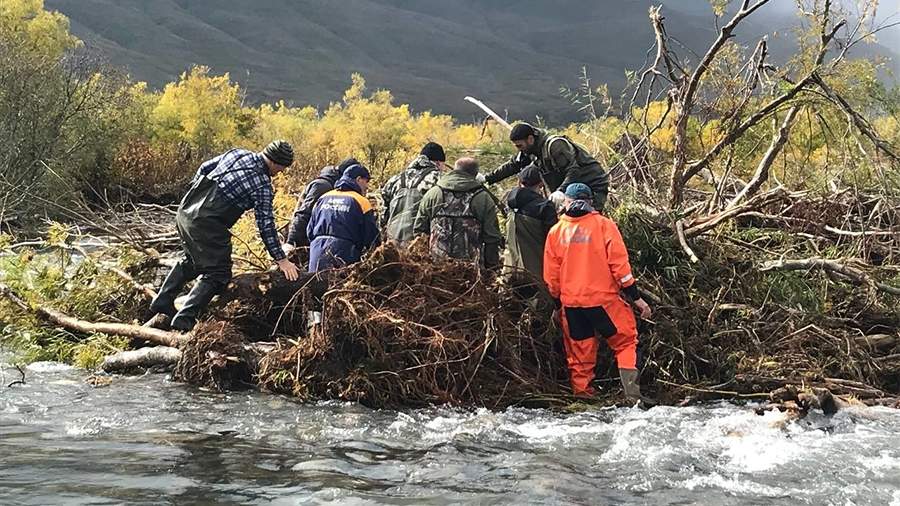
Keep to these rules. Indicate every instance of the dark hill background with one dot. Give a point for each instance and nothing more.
(515, 55)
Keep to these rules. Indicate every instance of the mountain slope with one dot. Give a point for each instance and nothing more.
(429, 53)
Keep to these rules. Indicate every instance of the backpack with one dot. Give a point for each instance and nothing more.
(404, 206)
(455, 231)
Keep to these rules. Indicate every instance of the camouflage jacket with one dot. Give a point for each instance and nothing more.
(401, 195)
(482, 207)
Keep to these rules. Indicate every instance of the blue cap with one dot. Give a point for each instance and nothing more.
(357, 170)
(579, 191)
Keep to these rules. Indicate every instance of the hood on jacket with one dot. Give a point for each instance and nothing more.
(330, 173)
(458, 180)
(579, 208)
(522, 198)
(421, 162)
(345, 184)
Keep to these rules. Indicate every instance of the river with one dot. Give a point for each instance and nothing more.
(147, 440)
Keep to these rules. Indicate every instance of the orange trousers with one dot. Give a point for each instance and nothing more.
(581, 355)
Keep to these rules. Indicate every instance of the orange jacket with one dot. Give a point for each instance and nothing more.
(585, 261)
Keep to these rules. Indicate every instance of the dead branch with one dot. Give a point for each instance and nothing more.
(20, 381)
(708, 223)
(762, 170)
(684, 103)
(85, 327)
(679, 229)
(144, 358)
(857, 276)
(857, 119)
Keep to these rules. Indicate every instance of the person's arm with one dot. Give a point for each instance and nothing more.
(387, 195)
(548, 214)
(303, 212)
(262, 199)
(371, 235)
(617, 255)
(563, 158)
(552, 265)
(422, 224)
(515, 165)
(297, 231)
(486, 213)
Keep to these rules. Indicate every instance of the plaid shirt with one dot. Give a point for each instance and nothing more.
(243, 177)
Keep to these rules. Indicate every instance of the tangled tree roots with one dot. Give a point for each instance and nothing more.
(217, 358)
(402, 330)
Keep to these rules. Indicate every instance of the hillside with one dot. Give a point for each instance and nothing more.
(430, 53)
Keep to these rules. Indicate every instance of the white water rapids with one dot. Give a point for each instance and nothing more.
(146, 440)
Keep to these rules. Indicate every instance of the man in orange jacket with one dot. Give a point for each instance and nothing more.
(585, 268)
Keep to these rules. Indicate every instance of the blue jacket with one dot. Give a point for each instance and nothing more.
(342, 227)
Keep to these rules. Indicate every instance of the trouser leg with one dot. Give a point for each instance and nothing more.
(182, 273)
(624, 346)
(208, 286)
(581, 358)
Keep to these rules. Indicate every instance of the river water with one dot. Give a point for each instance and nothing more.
(146, 440)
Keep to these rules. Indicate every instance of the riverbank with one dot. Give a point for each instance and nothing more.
(403, 332)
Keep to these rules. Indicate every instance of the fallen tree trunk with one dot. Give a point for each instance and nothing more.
(855, 275)
(144, 358)
(67, 322)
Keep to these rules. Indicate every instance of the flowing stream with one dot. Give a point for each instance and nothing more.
(147, 440)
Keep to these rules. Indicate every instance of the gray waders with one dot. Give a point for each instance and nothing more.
(203, 220)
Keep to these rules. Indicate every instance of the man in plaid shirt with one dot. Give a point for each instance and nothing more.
(222, 190)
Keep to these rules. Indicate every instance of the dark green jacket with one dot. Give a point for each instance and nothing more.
(527, 226)
(482, 206)
(561, 162)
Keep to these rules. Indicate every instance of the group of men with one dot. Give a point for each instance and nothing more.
(560, 242)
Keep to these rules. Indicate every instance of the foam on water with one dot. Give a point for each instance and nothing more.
(247, 447)
(48, 367)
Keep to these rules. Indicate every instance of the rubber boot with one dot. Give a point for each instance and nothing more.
(632, 388)
(630, 384)
(164, 302)
(197, 300)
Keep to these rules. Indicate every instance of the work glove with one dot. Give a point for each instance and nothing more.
(480, 178)
(287, 248)
(558, 198)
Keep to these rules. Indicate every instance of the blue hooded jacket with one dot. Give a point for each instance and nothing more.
(342, 227)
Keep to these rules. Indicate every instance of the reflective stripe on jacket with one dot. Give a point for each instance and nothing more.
(585, 261)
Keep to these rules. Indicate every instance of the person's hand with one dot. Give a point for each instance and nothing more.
(480, 178)
(644, 308)
(558, 198)
(290, 271)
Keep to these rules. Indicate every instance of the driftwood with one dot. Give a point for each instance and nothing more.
(855, 275)
(144, 358)
(67, 322)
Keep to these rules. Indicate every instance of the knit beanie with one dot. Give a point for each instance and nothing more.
(280, 152)
(434, 152)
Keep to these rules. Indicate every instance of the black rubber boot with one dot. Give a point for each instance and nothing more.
(164, 303)
(197, 300)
